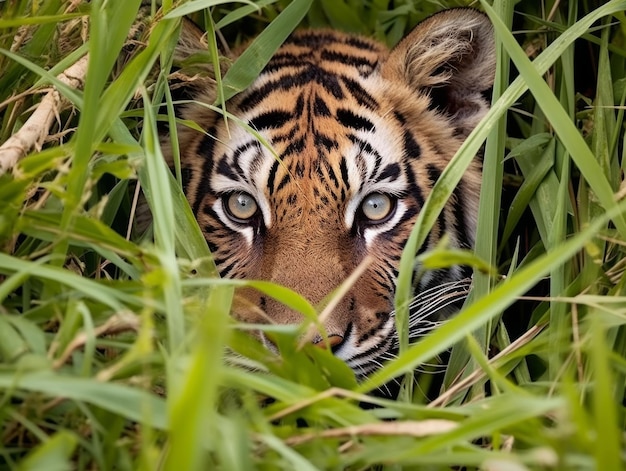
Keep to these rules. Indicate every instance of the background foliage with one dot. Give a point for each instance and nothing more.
(112, 347)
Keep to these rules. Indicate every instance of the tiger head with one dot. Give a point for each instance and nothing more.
(348, 140)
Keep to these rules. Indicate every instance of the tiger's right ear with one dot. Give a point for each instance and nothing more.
(450, 57)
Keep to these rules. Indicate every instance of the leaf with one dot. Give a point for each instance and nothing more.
(568, 134)
(197, 5)
(52, 455)
(485, 308)
(131, 403)
(250, 63)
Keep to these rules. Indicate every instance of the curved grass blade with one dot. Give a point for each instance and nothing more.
(453, 173)
(250, 64)
(132, 403)
(487, 307)
(559, 119)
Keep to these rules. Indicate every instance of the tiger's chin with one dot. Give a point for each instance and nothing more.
(355, 342)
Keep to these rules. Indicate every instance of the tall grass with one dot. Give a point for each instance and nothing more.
(116, 347)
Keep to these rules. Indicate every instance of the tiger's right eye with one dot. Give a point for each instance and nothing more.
(240, 207)
(377, 208)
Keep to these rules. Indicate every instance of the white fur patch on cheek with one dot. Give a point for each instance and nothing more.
(254, 163)
(371, 233)
(359, 355)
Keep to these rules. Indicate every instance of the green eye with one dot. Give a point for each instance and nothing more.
(240, 207)
(377, 207)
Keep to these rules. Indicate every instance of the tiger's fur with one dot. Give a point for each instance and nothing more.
(347, 118)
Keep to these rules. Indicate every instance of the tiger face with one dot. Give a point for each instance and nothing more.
(355, 138)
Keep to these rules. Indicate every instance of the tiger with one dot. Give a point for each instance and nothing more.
(348, 139)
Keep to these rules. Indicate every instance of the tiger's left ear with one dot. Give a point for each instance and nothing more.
(450, 57)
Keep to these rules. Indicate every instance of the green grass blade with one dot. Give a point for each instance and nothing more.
(114, 298)
(608, 447)
(103, 51)
(454, 171)
(197, 5)
(158, 177)
(53, 455)
(192, 404)
(132, 403)
(248, 66)
(485, 308)
(242, 12)
(563, 126)
(493, 171)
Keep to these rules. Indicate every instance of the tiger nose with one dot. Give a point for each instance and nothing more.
(334, 341)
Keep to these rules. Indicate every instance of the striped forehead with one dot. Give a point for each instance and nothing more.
(317, 105)
(343, 162)
(328, 62)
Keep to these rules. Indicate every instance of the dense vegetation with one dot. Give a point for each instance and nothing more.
(118, 352)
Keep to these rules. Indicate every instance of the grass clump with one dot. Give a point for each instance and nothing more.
(112, 346)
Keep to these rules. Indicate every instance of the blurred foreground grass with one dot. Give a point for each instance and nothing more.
(112, 347)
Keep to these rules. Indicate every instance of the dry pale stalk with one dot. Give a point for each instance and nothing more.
(477, 375)
(36, 128)
(121, 322)
(410, 428)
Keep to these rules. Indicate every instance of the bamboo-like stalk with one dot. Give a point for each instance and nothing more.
(31, 135)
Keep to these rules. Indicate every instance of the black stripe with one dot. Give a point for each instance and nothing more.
(400, 117)
(295, 147)
(224, 272)
(320, 108)
(286, 58)
(460, 222)
(286, 179)
(288, 81)
(270, 120)
(299, 171)
(299, 106)
(343, 166)
(390, 234)
(205, 150)
(433, 174)
(313, 39)
(241, 149)
(224, 168)
(186, 174)
(412, 149)
(348, 59)
(391, 171)
(258, 158)
(285, 137)
(415, 189)
(350, 120)
(331, 173)
(326, 142)
(373, 351)
(359, 93)
(272, 176)
(207, 144)
(361, 44)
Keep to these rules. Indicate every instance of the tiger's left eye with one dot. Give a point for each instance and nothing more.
(240, 207)
(377, 207)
